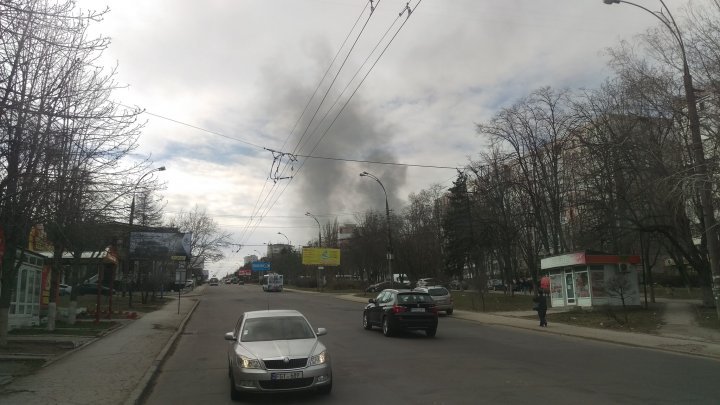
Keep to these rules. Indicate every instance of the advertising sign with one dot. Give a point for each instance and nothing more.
(321, 256)
(244, 272)
(260, 266)
(159, 245)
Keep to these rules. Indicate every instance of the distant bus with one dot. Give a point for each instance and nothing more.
(272, 282)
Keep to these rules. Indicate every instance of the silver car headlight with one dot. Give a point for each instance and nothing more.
(321, 358)
(247, 362)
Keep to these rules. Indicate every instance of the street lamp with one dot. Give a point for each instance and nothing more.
(387, 217)
(319, 243)
(132, 204)
(130, 223)
(288, 239)
(698, 150)
(307, 214)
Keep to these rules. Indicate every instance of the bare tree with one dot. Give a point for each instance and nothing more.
(418, 238)
(619, 286)
(207, 237)
(534, 132)
(62, 139)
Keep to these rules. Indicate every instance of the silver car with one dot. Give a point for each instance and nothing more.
(441, 296)
(277, 351)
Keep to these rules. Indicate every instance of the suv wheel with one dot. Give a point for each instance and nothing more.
(387, 330)
(366, 321)
(431, 332)
(449, 311)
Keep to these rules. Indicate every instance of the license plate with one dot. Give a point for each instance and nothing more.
(417, 309)
(286, 376)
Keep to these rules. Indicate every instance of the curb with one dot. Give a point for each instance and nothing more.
(142, 387)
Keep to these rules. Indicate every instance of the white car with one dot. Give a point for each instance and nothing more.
(277, 351)
(64, 289)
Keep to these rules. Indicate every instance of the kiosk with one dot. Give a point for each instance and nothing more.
(588, 279)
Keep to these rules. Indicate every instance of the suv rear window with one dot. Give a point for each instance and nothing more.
(414, 298)
(438, 291)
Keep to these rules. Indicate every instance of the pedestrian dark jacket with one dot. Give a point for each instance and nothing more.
(541, 302)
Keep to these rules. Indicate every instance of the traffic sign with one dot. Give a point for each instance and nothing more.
(260, 266)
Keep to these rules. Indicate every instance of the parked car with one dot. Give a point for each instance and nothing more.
(92, 289)
(395, 310)
(214, 281)
(424, 282)
(441, 296)
(277, 351)
(377, 287)
(64, 289)
(496, 285)
(190, 284)
(458, 285)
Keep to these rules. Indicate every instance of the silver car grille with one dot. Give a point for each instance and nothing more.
(282, 364)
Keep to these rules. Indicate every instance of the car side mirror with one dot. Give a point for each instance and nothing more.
(230, 336)
(371, 300)
(321, 331)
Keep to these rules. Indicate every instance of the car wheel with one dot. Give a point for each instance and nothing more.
(449, 311)
(326, 389)
(431, 332)
(366, 321)
(234, 393)
(387, 330)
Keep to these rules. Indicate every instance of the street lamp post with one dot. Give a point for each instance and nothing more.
(319, 244)
(258, 259)
(387, 218)
(126, 269)
(288, 239)
(698, 150)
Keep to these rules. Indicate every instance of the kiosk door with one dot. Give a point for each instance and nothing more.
(570, 288)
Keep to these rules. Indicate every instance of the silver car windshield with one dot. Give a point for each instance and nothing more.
(414, 298)
(276, 328)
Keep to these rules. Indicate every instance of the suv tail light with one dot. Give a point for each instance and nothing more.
(397, 309)
(434, 309)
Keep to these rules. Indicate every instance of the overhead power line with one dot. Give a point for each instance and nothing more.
(407, 10)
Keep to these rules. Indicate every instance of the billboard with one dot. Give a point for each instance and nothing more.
(321, 256)
(159, 245)
(260, 266)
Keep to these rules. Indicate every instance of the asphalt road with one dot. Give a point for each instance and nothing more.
(466, 363)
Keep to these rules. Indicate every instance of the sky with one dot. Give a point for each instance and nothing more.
(232, 91)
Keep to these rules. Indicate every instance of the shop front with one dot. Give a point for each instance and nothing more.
(587, 279)
(25, 298)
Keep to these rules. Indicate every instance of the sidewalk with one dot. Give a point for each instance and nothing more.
(117, 368)
(114, 369)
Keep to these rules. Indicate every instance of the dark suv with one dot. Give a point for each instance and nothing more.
(396, 310)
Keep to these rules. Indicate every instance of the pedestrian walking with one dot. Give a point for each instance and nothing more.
(541, 307)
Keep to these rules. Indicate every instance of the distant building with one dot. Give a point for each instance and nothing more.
(345, 234)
